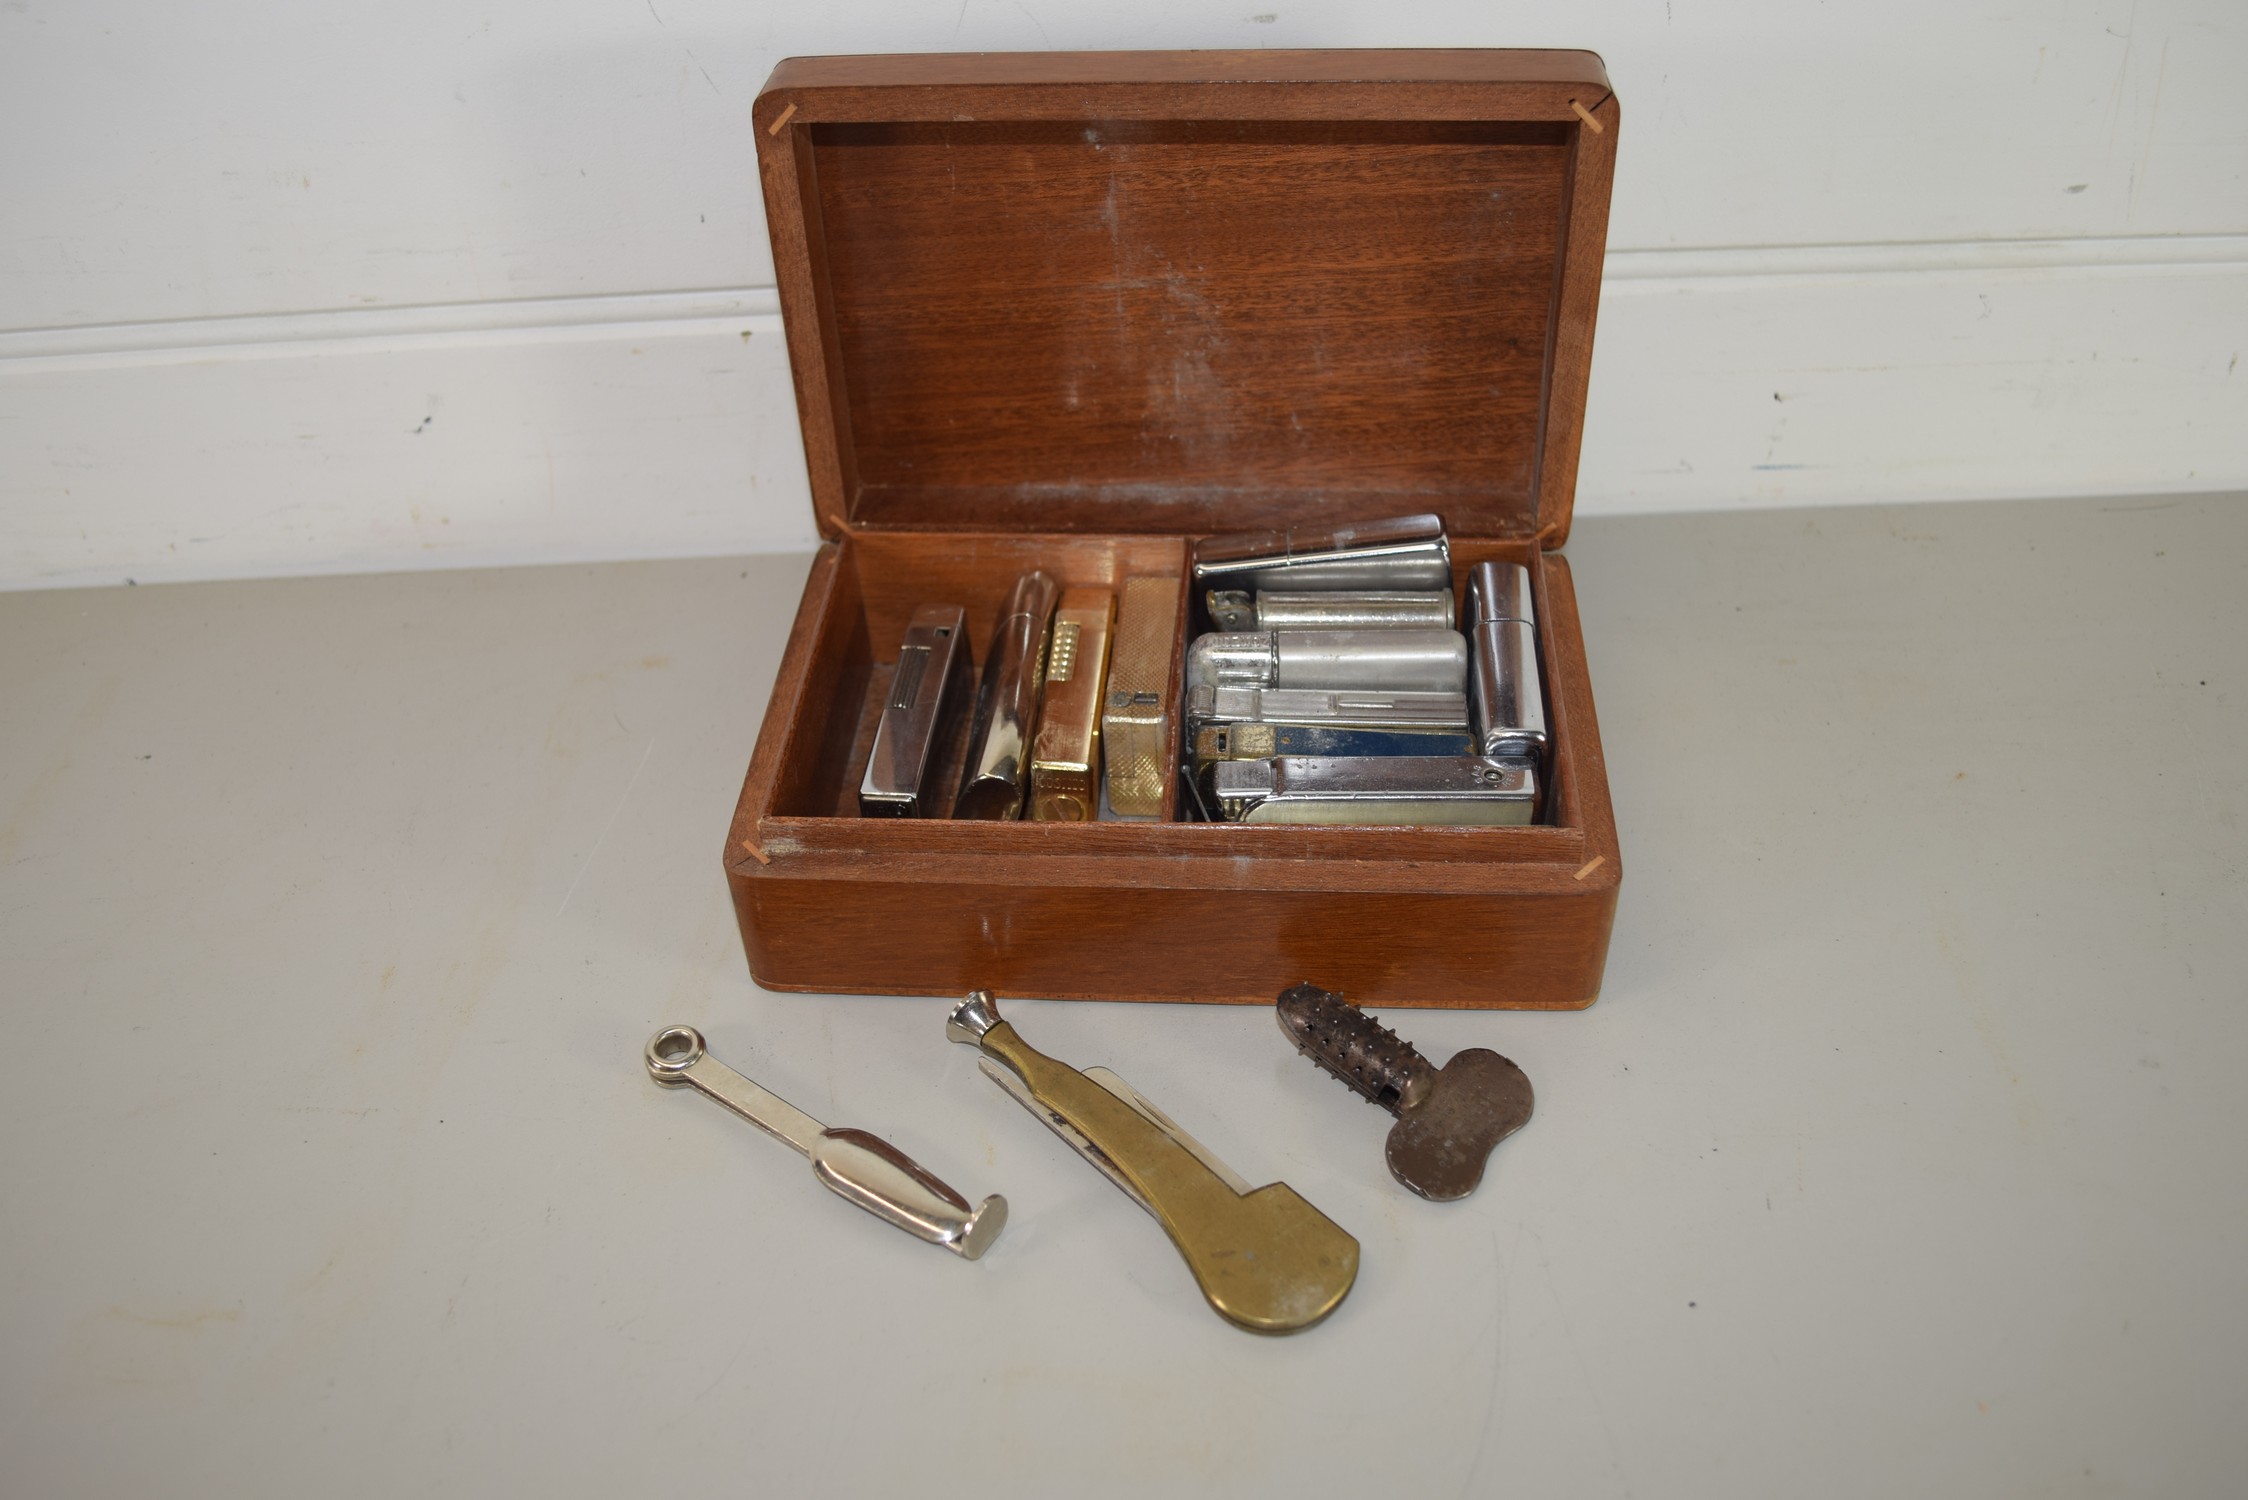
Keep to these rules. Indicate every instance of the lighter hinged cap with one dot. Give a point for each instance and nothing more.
(1190, 292)
(1500, 591)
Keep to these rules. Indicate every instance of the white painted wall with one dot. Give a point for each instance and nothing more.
(293, 288)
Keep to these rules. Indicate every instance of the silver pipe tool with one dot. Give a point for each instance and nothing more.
(1408, 552)
(923, 694)
(1265, 1259)
(1390, 660)
(1506, 691)
(861, 1168)
(1375, 790)
(998, 771)
(1449, 1119)
(1238, 609)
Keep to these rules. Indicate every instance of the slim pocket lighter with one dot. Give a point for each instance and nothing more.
(1254, 741)
(924, 698)
(1135, 724)
(1238, 609)
(1408, 552)
(1507, 694)
(1324, 708)
(998, 771)
(1376, 790)
(1065, 763)
(1410, 660)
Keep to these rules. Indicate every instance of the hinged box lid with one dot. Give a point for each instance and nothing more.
(1190, 292)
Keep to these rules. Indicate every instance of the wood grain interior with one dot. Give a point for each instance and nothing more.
(1189, 325)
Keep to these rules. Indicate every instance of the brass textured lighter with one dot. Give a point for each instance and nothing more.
(1065, 763)
(1135, 730)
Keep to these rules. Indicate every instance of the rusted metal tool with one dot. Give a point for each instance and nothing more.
(1448, 1119)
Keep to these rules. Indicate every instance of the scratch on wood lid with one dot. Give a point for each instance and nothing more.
(790, 113)
(1582, 114)
(1591, 864)
(765, 859)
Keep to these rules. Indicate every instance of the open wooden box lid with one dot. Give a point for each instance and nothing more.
(1190, 292)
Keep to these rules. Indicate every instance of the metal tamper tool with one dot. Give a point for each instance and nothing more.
(1448, 1119)
(855, 1165)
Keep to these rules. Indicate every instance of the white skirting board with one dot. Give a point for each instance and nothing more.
(663, 424)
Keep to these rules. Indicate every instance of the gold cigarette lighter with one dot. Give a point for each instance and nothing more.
(1065, 765)
(1135, 728)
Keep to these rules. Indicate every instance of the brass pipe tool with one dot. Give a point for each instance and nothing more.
(1265, 1259)
(856, 1166)
(1449, 1119)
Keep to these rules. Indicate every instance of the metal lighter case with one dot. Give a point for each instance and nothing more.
(1383, 790)
(1136, 751)
(1402, 660)
(1507, 696)
(1238, 609)
(1065, 762)
(998, 771)
(1407, 552)
(1326, 708)
(924, 699)
(1257, 741)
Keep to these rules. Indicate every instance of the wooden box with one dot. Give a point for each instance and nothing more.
(1071, 311)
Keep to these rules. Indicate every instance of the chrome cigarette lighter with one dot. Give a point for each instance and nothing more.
(998, 771)
(1398, 660)
(1254, 741)
(1065, 763)
(1238, 609)
(924, 699)
(1376, 790)
(1136, 748)
(1507, 694)
(1409, 552)
(1326, 708)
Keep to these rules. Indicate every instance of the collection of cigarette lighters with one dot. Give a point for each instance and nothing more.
(1265, 1259)
(1334, 685)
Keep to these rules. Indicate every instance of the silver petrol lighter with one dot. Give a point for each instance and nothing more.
(1257, 741)
(1351, 609)
(1506, 694)
(1407, 552)
(1394, 660)
(998, 770)
(925, 694)
(1327, 708)
(1376, 790)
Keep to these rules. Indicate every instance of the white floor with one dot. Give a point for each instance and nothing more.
(1901, 1155)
